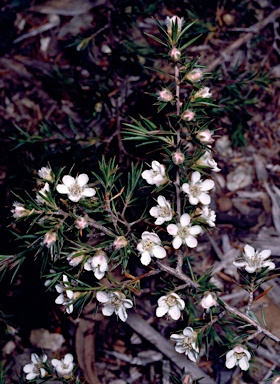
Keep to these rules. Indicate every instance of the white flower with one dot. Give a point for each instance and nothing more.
(186, 343)
(66, 295)
(75, 188)
(49, 239)
(35, 369)
(40, 199)
(64, 367)
(238, 356)
(46, 174)
(195, 75)
(183, 232)
(114, 302)
(156, 175)
(197, 189)
(165, 95)
(203, 93)
(19, 210)
(188, 115)
(206, 160)
(207, 215)
(149, 246)
(98, 264)
(209, 300)
(170, 304)
(171, 22)
(162, 212)
(254, 260)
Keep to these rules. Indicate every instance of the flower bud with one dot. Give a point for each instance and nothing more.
(195, 75)
(205, 136)
(187, 379)
(19, 210)
(209, 300)
(75, 259)
(170, 23)
(81, 222)
(175, 54)
(49, 239)
(120, 242)
(188, 115)
(165, 95)
(178, 157)
(276, 380)
(46, 173)
(203, 93)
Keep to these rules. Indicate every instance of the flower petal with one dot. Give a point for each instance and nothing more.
(162, 310)
(195, 177)
(180, 348)
(31, 376)
(102, 297)
(250, 252)
(68, 358)
(127, 303)
(188, 332)
(154, 211)
(186, 188)
(191, 241)
(108, 310)
(74, 198)
(68, 180)
(98, 274)
(145, 258)
(60, 299)
(122, 313)
(174, 312)
(195, 230)
(185, 219)
(206, 185)
(193, 200)
(82, 179)
(264, 254)
(230, 361)
(244, 363)
(177, 242)
(162, 201)
(192, 355)
(172, 229)
(159, 252)
(28, 368)
(62, 188)
(88, 192)
(204, 198)
(177, 337)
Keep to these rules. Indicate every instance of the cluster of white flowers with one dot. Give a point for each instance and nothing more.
(36, 369)
(114, 302)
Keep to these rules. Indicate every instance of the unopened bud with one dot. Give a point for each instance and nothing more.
(209, 300)
(46, 173)
(75, 259)
(195, 75)
(120, 242)
(175, 54)
(165, 95)
(188, 115)
(178, 157)
(187, 379)
(205, 136)
(49, 239)
(81, 222)
(171, 22)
